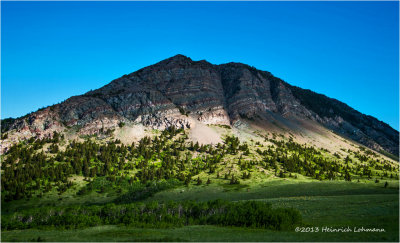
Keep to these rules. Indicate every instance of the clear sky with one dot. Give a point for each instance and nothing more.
(345, 50)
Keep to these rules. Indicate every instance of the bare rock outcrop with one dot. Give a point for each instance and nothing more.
(179, 91)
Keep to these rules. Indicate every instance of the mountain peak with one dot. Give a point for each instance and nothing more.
(181, 92)
(179, 56)
(178, 59)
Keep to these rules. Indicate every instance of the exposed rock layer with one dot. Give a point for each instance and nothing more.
(177, 91)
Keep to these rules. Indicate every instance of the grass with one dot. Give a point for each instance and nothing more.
(110, 233)
(322, 203)
(274, 188)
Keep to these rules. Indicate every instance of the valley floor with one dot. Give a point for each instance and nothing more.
(322, 204)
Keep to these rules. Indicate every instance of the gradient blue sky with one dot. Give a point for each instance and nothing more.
(345, 50)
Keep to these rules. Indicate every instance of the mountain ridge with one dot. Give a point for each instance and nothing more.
(179, 91)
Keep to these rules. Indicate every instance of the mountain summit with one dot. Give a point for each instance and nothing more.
(185, 93)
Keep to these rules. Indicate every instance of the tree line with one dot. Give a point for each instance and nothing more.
(255, 214)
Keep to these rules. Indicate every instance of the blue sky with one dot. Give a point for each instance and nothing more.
(345, 50)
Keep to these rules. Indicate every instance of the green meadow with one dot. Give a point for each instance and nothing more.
(167, 188)
(331, 204)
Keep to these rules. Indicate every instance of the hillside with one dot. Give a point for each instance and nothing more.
(181, 92)
(190, 151)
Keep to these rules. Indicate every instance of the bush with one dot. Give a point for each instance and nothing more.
(139, 191)
(153, 214)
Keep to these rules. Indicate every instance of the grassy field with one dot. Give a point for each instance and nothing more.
(275, 188)
(111, 233)
(278, 171)
(323, 204)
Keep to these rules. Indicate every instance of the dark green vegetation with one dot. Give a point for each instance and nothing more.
(169, 182)
(333, 204)
(29, 169)
(254, 214)
(5, 124)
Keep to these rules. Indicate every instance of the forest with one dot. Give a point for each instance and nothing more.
(152, 214)
(30, 170)
(35, 168)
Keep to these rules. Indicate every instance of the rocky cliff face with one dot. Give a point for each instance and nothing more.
(178, 91)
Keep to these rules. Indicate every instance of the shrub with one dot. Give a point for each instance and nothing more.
(153, 214)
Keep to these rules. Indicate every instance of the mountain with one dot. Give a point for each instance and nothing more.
(184, 93)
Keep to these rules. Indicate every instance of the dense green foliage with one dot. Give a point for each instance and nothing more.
(138, 191)
(328, 203)
(6, 123)
(129, 176)
(37, 166)
(152, 214)
(308, 161)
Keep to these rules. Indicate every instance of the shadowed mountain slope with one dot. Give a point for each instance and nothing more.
(181, 92)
